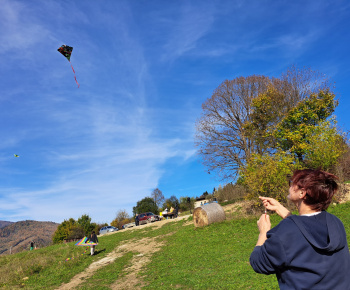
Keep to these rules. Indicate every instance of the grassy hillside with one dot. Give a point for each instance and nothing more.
(184, 257)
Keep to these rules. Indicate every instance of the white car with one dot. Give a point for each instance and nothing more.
(129, 225)
(107, 229)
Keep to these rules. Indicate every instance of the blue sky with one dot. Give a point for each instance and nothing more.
(144, 69)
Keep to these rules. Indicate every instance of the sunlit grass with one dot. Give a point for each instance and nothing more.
(216, 256)
(108, 274)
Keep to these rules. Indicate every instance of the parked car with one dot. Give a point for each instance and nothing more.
(157, 217)
(147, 217)
(129, 225)
(107, 229)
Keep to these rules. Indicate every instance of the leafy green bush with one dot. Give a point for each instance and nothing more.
(267, 175)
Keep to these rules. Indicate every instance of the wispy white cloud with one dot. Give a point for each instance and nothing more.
(292, 44)
(105, 177)
(186, 29)
(100, 150)
(17, 32)
(106, 145)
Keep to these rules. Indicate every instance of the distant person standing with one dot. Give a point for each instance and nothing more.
(92, 238)
(32, 245)
(137, 222)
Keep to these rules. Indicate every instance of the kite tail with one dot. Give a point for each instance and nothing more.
(74, 74)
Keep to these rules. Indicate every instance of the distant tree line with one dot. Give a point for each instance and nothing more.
(72, 229)
(157, 203)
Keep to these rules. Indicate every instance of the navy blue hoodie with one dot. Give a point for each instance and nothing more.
(306, 252)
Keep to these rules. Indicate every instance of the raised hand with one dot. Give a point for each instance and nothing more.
(273, 205)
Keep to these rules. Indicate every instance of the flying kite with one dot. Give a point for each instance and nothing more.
(16, 155)
(67, 52)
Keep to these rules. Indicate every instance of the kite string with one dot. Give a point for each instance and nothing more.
(74, 74)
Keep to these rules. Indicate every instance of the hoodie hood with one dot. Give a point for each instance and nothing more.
(323, 231)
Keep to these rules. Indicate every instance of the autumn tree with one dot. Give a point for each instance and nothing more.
(266, 175)
(157, 196)
(326, 145)
(220, 137)
(300, 122)
(268, 109)
(298, 137)
(299, 83)
(223, 139)
(121, 218)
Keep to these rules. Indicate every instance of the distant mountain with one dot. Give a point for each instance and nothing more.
(17, 236)
(4, 224)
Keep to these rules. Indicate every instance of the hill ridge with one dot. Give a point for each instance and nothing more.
(16, 237)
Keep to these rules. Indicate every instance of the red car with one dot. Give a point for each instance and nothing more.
(146, 218)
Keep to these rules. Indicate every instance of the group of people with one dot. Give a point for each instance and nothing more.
(309, 250)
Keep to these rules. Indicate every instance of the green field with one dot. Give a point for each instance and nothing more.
(216, 256)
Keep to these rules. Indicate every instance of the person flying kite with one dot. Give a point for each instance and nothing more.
(67, 52)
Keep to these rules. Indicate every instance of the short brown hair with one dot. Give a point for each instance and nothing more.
(320, 186)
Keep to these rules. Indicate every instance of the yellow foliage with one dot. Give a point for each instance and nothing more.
(267, 175)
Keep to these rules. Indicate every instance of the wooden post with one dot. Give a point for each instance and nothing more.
(208, 214)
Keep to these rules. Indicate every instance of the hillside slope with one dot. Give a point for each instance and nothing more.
(166, 254)
(4, 224)
(18, 235)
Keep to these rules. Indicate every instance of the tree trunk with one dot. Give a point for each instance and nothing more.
(208, 214)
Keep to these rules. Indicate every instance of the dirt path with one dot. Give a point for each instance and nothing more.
(146, 247)
(79, 278)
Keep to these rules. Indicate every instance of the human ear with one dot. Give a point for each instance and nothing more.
(302, 193)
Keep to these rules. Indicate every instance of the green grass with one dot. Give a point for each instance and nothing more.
(216, 256)
(108, 274)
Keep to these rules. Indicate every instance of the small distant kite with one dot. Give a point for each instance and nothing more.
(67, 52)
(16, 155)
